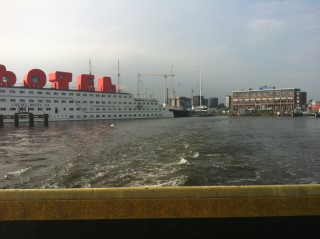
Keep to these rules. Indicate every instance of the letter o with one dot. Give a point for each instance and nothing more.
(35, 78)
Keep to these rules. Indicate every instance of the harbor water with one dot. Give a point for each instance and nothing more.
(161, 152)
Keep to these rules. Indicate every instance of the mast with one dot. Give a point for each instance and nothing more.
(168, 98)
(165, 90)
(192, 99)
(118, 77)
(89, 66)
(138, 85)
(200, 87)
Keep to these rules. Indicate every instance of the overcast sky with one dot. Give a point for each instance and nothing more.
(237, 44)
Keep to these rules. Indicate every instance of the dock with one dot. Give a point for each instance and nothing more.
(276, 211)
(26, 116)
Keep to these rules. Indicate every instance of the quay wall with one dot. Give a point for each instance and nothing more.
(276, 211)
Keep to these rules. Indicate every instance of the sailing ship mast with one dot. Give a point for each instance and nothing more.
(200, 87)
(118, 77)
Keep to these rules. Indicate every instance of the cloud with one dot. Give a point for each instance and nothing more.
(263, 24)
(313, 21)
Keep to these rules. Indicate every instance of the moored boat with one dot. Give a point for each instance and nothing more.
(62, 103)
(181, 112)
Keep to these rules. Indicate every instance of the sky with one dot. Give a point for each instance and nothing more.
(235, 44)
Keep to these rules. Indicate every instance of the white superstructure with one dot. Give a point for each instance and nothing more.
(78, 105)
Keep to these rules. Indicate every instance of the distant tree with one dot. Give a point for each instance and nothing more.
(221, 105)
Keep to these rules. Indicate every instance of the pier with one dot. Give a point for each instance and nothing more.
(30, 117)
(286, 211)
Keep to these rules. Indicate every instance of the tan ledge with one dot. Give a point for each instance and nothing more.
(159, 202)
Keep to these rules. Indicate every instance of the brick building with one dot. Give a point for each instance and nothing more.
(275, 100)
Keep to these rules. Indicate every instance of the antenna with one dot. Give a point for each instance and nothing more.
(118, 77)
(89, 66)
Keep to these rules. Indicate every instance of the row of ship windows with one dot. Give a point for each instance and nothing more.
(72, 109)
(71, 101)
(106, 116)
(64, 93)
(109, 116)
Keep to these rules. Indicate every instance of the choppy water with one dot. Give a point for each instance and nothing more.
(161, 152)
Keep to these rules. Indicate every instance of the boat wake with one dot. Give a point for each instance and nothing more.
(183, 160)
(17, 173)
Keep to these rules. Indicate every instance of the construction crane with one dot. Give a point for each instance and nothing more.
(165, 99)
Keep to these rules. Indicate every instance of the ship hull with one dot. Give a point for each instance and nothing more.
(62, 105)
(181, 113)
(178, 113)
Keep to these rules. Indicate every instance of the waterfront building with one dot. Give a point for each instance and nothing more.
(268, 99)
(196, 100)
(228, 100)
(181, 102)
(205, 102)
(188, 103)
(213, 102)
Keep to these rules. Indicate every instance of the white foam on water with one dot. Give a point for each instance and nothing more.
(16, 173)
(183, 161)
(196, 155)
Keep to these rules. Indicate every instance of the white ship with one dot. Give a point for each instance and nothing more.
(62, 103)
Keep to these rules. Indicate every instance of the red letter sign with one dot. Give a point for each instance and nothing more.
(60, 80)
(7, 78)
(85, 82)
(104, 84)
(35, 79)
